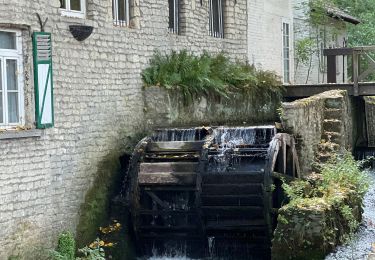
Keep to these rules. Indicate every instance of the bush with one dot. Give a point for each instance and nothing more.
(211, 75)
(323, 212)
(340, 175)
(66, 247)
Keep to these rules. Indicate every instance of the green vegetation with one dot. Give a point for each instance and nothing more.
(66, 247)
(324, 211)
(339, 176)
(211, 76)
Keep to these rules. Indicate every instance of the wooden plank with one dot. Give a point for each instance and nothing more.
(231, 189)
(168, 167)
(355, 74)
(167, 178)
(331, 69)
(233, 177)
(237, 223)
(167, 228)
(228, 200)
(174, 146)
(249, 211)
(338, 52)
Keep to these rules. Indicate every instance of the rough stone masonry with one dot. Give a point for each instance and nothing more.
(98, 103)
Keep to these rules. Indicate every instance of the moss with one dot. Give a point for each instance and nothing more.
(95, 211)
(324, 211)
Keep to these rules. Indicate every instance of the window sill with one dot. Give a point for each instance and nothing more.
(14, 134)
(73, 14)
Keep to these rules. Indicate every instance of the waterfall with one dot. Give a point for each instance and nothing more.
(228, 140)
(181, 135)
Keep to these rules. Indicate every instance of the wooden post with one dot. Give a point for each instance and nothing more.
(355, 73)
(331, 69)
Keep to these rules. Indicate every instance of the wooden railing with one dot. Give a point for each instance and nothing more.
(356, 53)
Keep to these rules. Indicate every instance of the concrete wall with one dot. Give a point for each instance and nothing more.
(322, 124)
(98, 104)
(163, 109)
(266, 18)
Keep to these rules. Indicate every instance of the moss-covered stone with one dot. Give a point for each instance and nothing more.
(309, 228)
(95, 211)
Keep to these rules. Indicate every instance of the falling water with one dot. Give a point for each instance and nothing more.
(166, 135)
(228, 140)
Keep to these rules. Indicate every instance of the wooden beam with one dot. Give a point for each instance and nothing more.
(167, 178)
(298, 91)
(338, 52)
(331, 69)
(355, 74)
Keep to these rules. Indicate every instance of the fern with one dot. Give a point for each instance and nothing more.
(211, 76)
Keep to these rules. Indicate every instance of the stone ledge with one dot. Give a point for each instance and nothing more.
(21, 134)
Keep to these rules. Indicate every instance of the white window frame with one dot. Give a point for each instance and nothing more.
(212, 32)
(115, 15)
(284, 59)
(16, 54)
(176, 17)
(73, 13)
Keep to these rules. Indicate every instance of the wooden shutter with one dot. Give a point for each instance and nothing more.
(42, 50)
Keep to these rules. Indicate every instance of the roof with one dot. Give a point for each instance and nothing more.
(337, 13)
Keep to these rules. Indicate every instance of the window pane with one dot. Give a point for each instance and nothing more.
(62, 4)
(75, 5)
(121, 10)
(13, 107)
(12, 75)
(7, 40)
(171, 14)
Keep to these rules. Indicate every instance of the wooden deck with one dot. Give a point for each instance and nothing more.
(296, 91)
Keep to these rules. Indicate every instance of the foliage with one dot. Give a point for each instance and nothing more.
(324, 210)
(92, 252)
(304, 48)
(339, 178)
(66, 247)
(211, 76)
(341, 174)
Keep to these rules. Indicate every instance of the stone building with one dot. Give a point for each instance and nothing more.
(69, 104)
(97, 97)
(331, 32)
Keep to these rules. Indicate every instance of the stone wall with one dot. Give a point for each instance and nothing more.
(322, 124)
(163, 109)
(45, 175)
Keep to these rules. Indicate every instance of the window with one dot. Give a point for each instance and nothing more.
(216, 18)
(174, 16)
(11, 91)
(286, 53)
(75, 8)
(120, 12)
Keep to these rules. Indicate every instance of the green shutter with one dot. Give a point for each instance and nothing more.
(43, 81)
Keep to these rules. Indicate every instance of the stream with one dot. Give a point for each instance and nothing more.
(360, 246)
